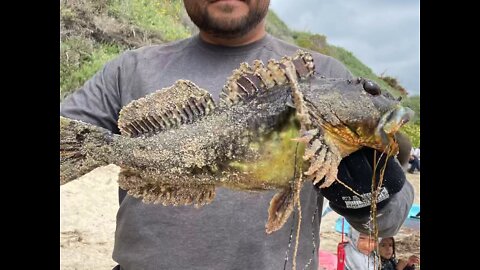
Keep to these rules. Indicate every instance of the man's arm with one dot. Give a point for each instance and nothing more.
(98, 100)
(394, 202)
(330, 67)
(390, 217)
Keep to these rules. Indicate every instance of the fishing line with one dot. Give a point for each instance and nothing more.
(293, 214)
(313, 239)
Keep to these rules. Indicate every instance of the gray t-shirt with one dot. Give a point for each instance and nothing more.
(228, 233)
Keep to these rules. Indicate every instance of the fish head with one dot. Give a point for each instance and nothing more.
(355, 113)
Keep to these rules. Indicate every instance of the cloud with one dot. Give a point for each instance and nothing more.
(384, 35)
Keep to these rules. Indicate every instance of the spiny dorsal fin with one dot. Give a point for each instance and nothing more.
(246, 81)
(304, 65)
(183, 102)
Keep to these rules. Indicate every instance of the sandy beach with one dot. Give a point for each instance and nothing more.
(88, 207)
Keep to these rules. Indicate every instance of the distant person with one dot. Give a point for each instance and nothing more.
(414, 160)
(388, 257)
(359, 252)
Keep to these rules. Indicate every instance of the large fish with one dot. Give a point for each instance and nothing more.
(177, 144)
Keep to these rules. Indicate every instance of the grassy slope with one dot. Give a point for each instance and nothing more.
(95, 31)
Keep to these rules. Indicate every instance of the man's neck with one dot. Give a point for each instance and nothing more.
(255, 34)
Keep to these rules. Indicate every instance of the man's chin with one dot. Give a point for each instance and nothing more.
(228, 25)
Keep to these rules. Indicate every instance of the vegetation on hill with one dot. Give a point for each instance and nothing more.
(93, 32)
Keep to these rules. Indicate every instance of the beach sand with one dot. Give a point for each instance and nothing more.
(88, 207)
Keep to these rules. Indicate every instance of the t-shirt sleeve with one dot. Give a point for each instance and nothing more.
(98, 100)
(390, 218)
(330, 67)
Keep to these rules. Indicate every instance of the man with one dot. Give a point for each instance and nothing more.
(228, 233)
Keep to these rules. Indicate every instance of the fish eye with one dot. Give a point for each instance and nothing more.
(371, 88)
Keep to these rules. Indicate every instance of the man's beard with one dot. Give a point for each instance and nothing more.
(230, 29)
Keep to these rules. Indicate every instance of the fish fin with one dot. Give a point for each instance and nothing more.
(165, 193)
(247, 82)
(183, 102)
(281, 207)
(83, 147)
(306, 136)
(324, 158)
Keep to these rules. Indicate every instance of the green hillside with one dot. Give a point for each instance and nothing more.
(93, 32)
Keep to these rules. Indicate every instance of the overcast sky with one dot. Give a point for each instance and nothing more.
(383, 34)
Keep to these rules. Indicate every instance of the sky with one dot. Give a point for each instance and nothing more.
(383, 34)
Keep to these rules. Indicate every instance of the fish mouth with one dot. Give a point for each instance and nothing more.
(391, 122)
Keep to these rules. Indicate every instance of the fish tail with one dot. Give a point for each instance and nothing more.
(83, 147)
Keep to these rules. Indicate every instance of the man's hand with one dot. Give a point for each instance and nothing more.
(356, 173)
